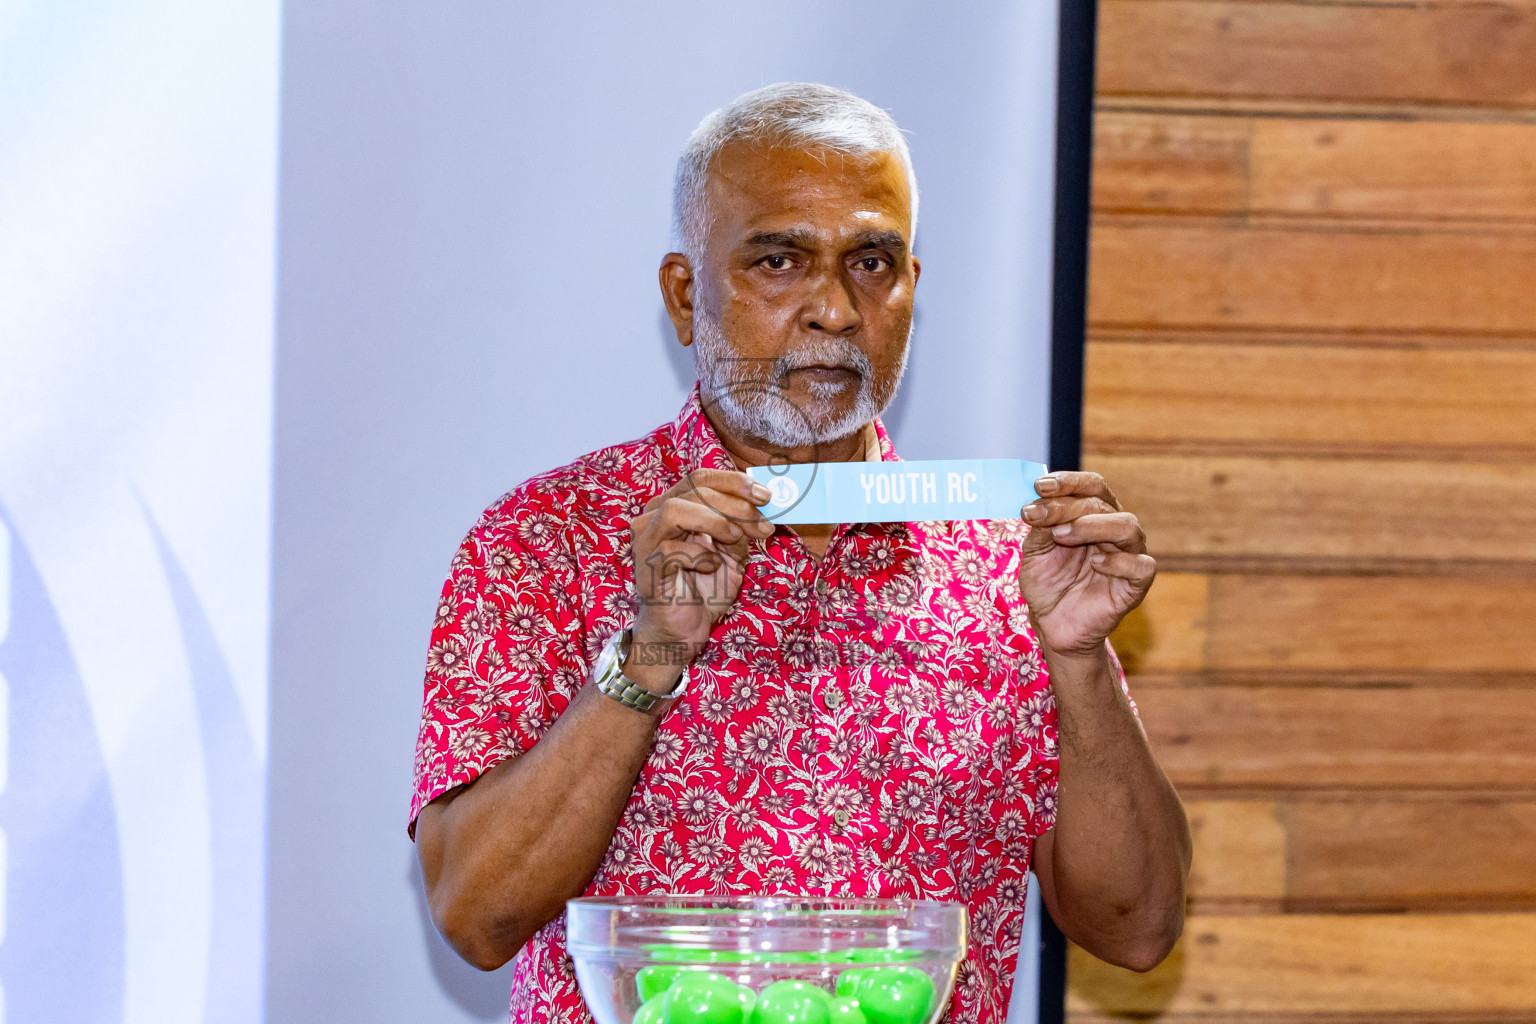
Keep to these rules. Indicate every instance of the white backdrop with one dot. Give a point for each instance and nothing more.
(138, 158)
(473, 202)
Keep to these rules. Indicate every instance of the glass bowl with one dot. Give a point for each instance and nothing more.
(764, 959)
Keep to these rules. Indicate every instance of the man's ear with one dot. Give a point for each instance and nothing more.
(676, 279)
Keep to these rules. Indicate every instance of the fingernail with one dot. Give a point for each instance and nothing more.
(1097, 557)
(1034, 513)
(760, 493)
(1062, 530)
(1045, 485)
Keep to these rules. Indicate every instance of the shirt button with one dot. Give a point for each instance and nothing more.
(831, 698)
(841, 818)
(821, 587)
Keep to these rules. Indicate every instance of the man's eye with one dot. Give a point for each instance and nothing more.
(874, 264)
(777, 262)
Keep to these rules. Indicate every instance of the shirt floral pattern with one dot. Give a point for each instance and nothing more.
(878, 724)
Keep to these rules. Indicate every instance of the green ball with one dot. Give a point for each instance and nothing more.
(650, 1013)
(843, 1011)
(653, 981)
(748, 1000)
(849, 981)
(702, 998)
(792, 1002)
(895, 995)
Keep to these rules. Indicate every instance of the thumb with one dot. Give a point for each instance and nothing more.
(1036, 542)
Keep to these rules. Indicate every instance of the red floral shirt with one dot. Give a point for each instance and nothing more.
(875, 725)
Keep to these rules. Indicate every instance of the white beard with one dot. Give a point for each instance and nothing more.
(749, 394)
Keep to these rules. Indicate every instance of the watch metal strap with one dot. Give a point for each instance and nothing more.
(610, 680)
(630, 695)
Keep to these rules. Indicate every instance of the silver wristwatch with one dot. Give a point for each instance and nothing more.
(609, 677)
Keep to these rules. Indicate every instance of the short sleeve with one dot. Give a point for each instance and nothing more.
(506, 654)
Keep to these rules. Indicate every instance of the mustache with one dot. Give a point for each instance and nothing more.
(833, 352)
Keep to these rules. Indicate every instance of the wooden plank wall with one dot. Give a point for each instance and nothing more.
(1312, 371)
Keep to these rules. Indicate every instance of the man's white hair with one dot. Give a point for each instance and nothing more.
(788, 115)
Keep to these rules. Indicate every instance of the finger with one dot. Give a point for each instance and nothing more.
(676, 558)
(1035, 542)
(723, 481)
(1133, 568)
(742, 513)
(661, 577)
(1050, 511)
(737, 553)
(680, 517)
(680, 586)
(685, 584)
(1121, 529)
(1087, 485)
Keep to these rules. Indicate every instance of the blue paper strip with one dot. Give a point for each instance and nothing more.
(898, 492)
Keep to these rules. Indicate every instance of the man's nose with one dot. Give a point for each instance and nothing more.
(830, 308)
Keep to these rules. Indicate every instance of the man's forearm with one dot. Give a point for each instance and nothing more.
(1114, 867)
(501, 856)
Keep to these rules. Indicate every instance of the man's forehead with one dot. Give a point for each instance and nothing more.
(760, 181)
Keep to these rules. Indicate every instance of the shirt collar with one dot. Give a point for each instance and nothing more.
(699, 447)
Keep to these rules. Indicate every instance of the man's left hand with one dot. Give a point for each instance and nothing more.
(1084, 564)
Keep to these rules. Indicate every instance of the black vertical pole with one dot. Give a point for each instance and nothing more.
(1069, 312)
(1053, 972)
(1074, 159)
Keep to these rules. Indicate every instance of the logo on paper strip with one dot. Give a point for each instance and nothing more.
(783, 492)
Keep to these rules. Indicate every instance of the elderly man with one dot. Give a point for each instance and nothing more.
(854, 709)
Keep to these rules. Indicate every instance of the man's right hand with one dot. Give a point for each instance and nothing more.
(690, 549)
(501, 855)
